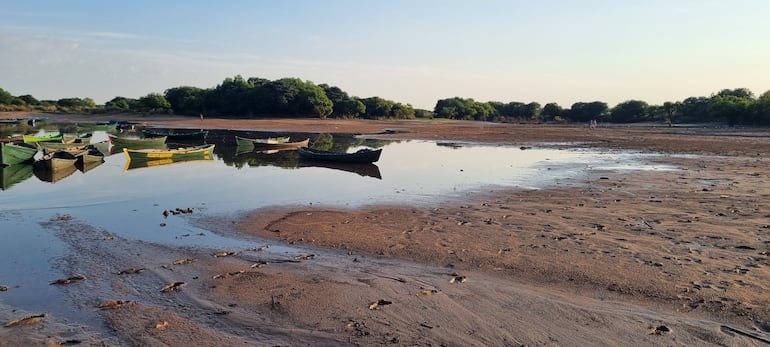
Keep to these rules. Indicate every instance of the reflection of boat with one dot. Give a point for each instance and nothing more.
(13, 174)
(247, 142)
(85, 166)
(91, 154)
(53, 175)
(177, 135)
(16, 152)
(363, 169)
(284, 145)
(185, 153)
(138, 143)
(361, 156)
(138, 164)
(40, 138)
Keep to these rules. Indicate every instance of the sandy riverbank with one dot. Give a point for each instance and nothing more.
(641, 258)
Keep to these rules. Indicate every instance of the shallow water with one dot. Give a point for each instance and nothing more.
(129, 202)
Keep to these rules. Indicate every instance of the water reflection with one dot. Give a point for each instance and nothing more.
(244, 179)
(14, 174)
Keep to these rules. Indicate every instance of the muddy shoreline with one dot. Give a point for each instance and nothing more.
(642, 258)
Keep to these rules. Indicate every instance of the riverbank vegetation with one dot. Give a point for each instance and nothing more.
(255, 97)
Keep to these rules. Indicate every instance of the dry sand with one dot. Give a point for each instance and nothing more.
(642, 258)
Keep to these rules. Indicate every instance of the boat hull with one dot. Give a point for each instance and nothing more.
(286, 145)
(362, 156)
(177, 136)
(188, 153)
(42, 138)
(16, 152)
(138, 143)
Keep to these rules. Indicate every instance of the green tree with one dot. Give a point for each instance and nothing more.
(312, 101)
(5, 97)
(153, 102)
(401, 111)
(29, 100)
(671, 110)
(119, 103)
(76, 102)
(551, 111)
(583, 112)
(762, 108)
(695, 109)
(352, 108)
(377, 107)
(731, 108)
(630, 111)
(185, 100)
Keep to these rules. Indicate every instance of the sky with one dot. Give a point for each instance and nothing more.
(408, 51)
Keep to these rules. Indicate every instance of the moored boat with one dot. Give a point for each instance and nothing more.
(361, 156)
(138, 143)
(77, 139)
(40, 138)
(247, 142)
(187, 153)
(176, 135)
(16, 152)
(284, 145)
(54, 161)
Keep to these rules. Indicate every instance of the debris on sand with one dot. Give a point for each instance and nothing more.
(69, 280)
(457, 278)
(376, 304)
(258, 264)
(660, 330)
(28, 320)
(162, 325)
(184, 261)
(113, 304)
(304, 257)
(130, 271)
(224, 254)
(172, 287)
(427, 291)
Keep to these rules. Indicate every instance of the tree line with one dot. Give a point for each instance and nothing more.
(292, 97)
(731, 106)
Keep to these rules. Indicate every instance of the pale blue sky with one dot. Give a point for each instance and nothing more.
(410, 51)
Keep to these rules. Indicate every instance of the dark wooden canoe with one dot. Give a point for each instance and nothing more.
(177, 135)
(361, 156)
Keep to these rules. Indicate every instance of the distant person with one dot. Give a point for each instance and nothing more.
(201, 117)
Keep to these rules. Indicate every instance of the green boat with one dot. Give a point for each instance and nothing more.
(138, 143)
(107, 127)
(16, 152)
(201, 152)
(42, 138)
(14, 174)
